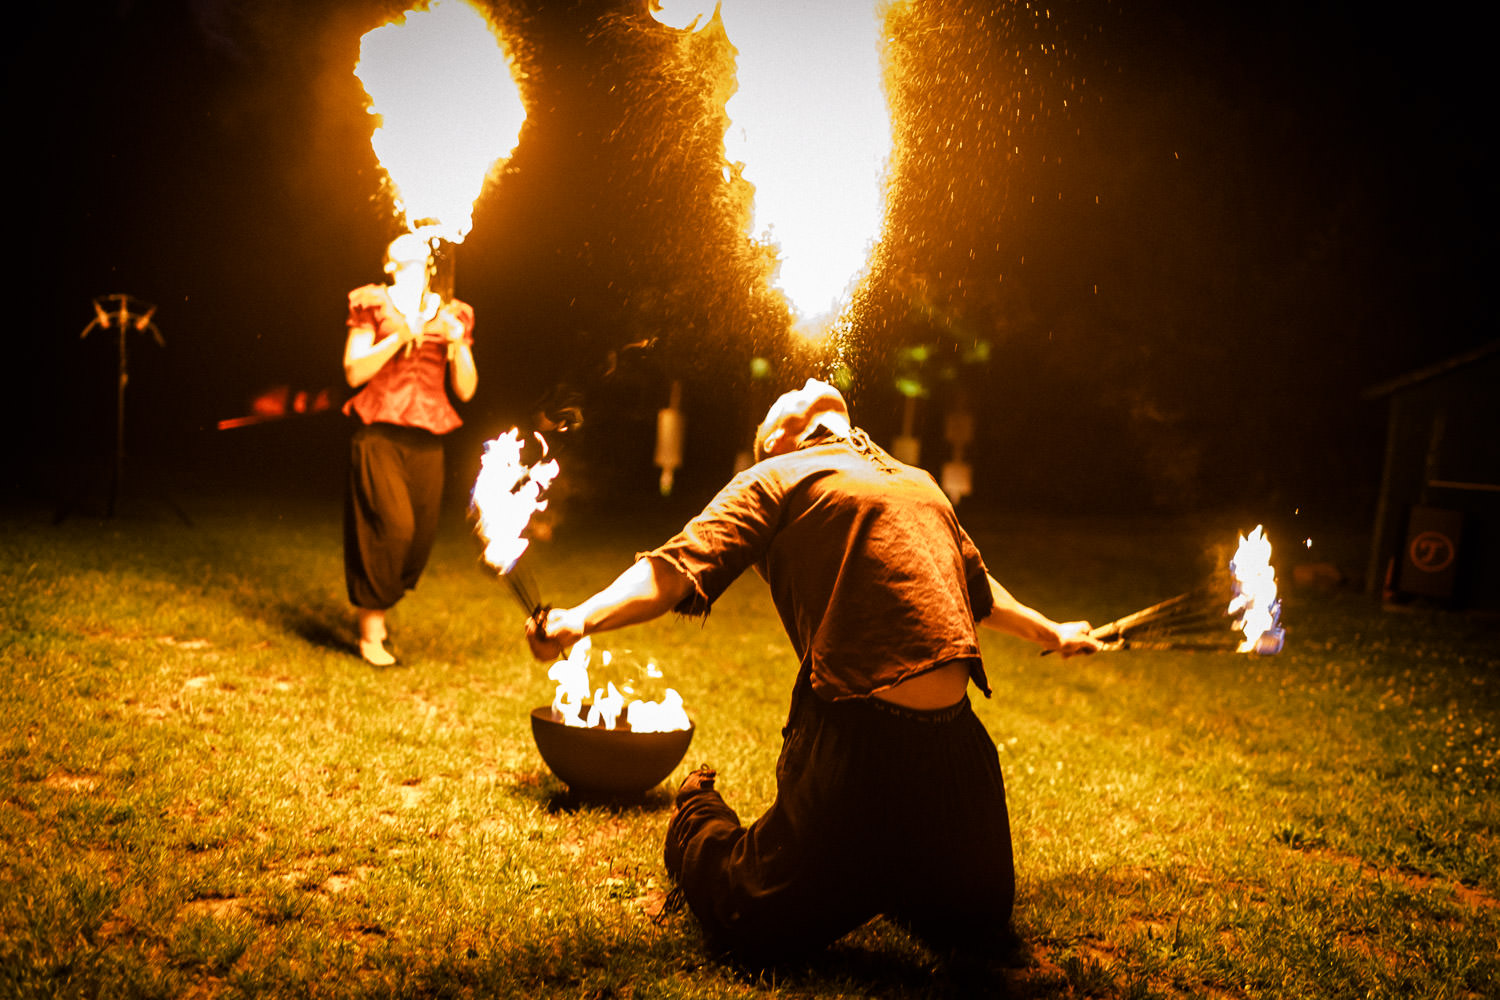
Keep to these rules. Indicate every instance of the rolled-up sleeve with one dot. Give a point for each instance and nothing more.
(731, 534)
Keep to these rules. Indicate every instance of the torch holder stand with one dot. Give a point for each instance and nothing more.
(122, 313)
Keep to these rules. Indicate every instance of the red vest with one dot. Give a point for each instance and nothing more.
(410, 389)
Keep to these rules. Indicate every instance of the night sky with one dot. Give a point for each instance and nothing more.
(1181, 282)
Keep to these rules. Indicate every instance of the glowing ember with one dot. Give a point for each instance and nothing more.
(441, 86)
(506, 493)
(1255, 606)
(572, 677)
(811, 128)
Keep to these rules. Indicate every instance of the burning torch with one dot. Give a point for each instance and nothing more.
(506, 493)
(1241, 611)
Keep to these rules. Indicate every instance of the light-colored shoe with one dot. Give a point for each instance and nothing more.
(373, 652)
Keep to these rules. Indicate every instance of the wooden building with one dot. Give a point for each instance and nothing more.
(1437, 518)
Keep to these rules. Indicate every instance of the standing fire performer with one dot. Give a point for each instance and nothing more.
(404, 339)
(889, 794)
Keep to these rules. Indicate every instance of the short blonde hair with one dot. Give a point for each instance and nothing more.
(795, 414)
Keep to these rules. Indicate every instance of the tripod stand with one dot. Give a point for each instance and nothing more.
(122, 314)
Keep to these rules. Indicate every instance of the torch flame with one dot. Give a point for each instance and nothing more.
(811, 129)
(440, 85)
(506, 493)
(1255, 606)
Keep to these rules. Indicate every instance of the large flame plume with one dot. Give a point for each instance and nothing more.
(440, 85)
(811, 131)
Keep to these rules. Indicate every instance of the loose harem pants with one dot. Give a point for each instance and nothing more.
(391, 506)
(879, 810)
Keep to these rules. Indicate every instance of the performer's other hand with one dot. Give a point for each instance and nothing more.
(1073, 639)
(452, 331)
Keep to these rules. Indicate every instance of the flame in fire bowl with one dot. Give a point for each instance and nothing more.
(608, 761)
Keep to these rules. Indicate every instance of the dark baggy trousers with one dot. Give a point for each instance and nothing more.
(879, 810)
(391, 506)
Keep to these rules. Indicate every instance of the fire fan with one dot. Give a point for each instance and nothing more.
(1237, 611)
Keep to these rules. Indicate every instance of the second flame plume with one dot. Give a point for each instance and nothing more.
(811, 130)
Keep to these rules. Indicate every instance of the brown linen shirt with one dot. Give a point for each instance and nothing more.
(873, 577)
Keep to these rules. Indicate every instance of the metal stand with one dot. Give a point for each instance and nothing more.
(121, 313)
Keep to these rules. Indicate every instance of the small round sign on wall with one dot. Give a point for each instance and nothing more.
(1431, 551)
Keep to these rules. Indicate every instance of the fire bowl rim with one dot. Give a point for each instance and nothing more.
(608, 761)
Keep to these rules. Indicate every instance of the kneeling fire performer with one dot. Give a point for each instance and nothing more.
(403, 341)
(889, 794)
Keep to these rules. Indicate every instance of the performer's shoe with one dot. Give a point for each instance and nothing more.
(373, 652)
(985, 970)
(700, 780)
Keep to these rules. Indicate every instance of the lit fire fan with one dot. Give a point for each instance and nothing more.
(507, 492)
(1242, 613)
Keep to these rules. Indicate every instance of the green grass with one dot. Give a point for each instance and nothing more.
(204, 794)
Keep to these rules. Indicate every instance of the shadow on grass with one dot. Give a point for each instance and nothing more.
(881, 960)
(859, 972)
(322, 625)
(863, 966)
(540, 786)
(562, 799)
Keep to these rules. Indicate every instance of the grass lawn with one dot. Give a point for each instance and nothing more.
(204, 794)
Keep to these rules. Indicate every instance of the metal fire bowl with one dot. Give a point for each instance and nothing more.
(610, 761)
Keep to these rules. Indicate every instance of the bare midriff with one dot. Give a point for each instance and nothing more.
(935, 689)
